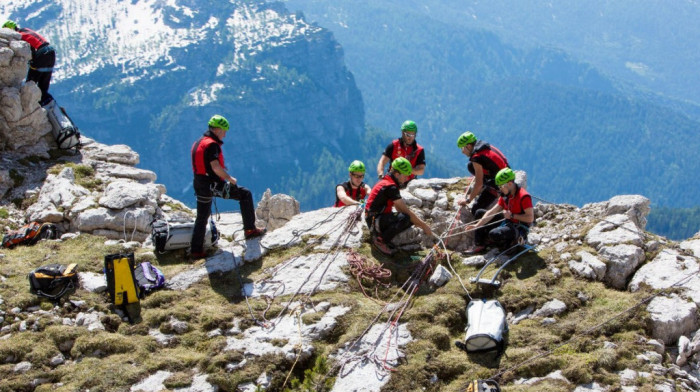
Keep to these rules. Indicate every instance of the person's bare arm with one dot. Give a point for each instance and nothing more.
(221, 172)
(401, 206)
(383, 160)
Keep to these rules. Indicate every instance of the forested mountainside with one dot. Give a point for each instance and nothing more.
(582, 133)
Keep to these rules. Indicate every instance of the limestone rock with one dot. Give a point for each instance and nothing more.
(276, 210)
(672, 317)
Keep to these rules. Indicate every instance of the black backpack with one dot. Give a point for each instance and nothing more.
(53, 281)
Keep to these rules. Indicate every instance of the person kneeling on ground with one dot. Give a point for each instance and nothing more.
(354, 191)
(212, 180)
(383, 223)
(514, 208)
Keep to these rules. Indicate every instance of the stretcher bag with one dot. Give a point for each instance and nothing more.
(170, 236)
(486, 326)
(64, 130)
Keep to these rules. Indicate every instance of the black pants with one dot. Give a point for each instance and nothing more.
(484, 201)
(40, 71)
(204, 200)
(501, 234)
(389, 225)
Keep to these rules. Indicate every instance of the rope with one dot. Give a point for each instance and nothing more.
(595, 327)
(301, 346)
(334, 250)
(361, 268)
(124, 227)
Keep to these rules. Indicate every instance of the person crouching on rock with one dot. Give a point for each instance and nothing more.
(212, 180)
(514, 209)
(384, 224)
(354, 191)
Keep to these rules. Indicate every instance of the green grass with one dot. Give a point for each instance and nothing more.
(436, 318)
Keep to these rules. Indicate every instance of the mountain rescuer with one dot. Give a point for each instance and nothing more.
(384, 224)
(212, 180)
(485, 161)
(514, 208)
(405, 147)
(42, 62)
(352, 192)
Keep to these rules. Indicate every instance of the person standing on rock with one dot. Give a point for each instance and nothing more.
(513, 210)
(354, 191)
(405, 147)
(212, 180)
(384, 224)
(485, 161)
(42, 62)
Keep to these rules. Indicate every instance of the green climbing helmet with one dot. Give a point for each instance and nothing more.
(218, 121)
(409, 126)
(465, 138)
(357, 167)
(504, 176)
(10, 24)
(402, 165)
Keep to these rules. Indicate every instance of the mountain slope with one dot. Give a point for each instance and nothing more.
(150, 74)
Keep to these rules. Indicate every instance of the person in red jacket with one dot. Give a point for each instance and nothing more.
(42, 62)
(405, 147)
(514, 209)
(212, 180)
(384, 224)
(485, 161)
(354, 191)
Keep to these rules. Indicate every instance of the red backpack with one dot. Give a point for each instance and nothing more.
(29, 234)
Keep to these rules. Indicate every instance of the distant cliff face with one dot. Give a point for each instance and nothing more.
(150, 75)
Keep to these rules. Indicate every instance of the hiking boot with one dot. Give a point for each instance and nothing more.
(252, 233)
(383, 247)
(476, 249)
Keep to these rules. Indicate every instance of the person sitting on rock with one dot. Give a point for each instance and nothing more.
(513, 210)
(354, 191)
(485, 161)
(212, 180)
(384, 224)
(406, 147)
(42, 62)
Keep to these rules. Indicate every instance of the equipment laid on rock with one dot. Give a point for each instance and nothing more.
(29, 234)
(53, 281)
(64, 129)
(123, 289)
(486, 319)
(148, 277)
(170, 236)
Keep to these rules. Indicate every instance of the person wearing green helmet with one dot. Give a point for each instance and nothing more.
(42, 62)
(513, 215)
(406, 147)
(354, 191)
(211, 179)
(384, 224)
(485, 161)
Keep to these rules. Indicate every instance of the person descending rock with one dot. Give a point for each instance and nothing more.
(384, 224)
(212, 180)
(514, 209)
(354, 191)
(42, 62)
(485, 161)
(406, 147)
